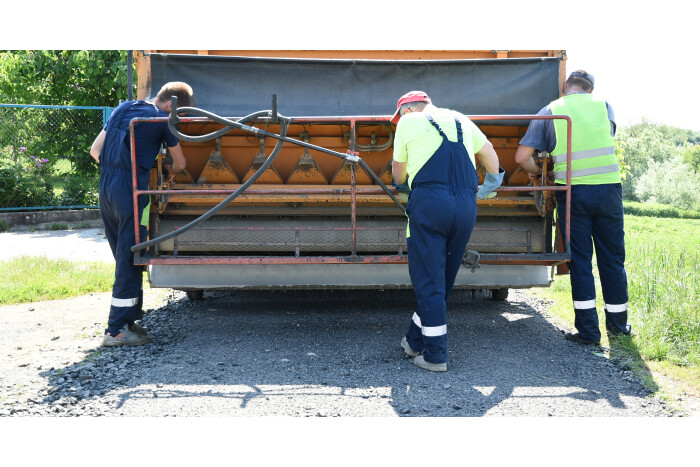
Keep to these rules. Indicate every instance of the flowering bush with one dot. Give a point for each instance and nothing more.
(24, 180)
(37, 165)
(20, 188)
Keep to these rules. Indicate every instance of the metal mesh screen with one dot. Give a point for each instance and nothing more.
(332, 235)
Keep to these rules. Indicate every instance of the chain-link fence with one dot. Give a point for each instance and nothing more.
(45, 156)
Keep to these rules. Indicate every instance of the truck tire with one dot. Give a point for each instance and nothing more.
(195, 295)
(499, 294)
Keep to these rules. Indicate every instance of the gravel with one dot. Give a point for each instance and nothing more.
(308, 354)
(297, 353)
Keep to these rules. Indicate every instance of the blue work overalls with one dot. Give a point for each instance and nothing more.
(442, 214)
(117, 210)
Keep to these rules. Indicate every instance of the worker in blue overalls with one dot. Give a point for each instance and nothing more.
(434, 162)
(112, 150)
(596, 201)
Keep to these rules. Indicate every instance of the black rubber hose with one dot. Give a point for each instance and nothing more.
(174, 119)
(368, 170)
(231, 197)
(239, 123)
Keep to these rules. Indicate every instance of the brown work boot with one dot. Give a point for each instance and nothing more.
(407, 348)
(420, 362)
(125, 337)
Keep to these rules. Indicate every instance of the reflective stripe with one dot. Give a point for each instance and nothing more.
(609, 151)
(605, 169)
(585, 304)
(123, 302)
(416, 320)
(434, 331)
(616, 308)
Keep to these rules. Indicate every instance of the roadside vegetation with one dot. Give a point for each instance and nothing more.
(36, 278)
(44, 152)
(663, 271)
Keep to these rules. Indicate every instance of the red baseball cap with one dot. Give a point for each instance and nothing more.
(411, 96)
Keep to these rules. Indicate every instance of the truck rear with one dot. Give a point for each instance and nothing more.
(312, 219)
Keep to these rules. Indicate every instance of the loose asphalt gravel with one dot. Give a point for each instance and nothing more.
(301, 353)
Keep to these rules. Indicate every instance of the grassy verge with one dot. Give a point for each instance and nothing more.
(663, 270)
(658, 210)
(36, 278)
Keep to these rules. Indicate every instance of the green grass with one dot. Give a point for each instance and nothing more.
(36, 278)
(658, 210)
(663, 272)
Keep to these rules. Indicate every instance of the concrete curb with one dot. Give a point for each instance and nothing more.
(24, 220)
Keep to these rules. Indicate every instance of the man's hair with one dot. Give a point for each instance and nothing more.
(183, 92)
(578, 78)
(418, 106)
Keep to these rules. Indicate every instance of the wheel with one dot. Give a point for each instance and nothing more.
(195, 294)
(499, 294)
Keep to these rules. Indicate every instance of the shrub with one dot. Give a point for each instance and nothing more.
(671, 182)
(3, 226)
(80, 191)
(21, 188)
(658, 210)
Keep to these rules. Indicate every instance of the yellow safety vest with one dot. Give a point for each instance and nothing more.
(593, 160)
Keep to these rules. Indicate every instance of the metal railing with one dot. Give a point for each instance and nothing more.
(529, 258)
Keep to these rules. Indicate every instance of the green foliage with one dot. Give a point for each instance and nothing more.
(659, 210)
(3, 226)
(79, 191)
(620, 154)
(22, 188)
(63, 77)
(646, 145)
(670, 182)
(664, 287)
(59, 226)
(691, 156)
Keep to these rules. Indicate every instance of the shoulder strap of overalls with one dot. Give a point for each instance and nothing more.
(437, 127)
(460, 138)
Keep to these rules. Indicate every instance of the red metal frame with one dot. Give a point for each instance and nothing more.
(546, 259)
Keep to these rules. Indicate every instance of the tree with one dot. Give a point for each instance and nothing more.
(670, 182)
(691, 156)
(63, 77)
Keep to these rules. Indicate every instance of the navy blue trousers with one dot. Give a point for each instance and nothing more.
(440, 225)
(117, 210)
(597, 220)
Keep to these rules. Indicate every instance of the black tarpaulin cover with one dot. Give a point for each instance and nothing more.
(237, 86)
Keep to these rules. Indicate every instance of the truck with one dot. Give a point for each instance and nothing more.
(320, 211)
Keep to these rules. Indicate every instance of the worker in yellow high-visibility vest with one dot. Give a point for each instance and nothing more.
(596, 201)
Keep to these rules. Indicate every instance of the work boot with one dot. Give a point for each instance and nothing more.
(420, 362)
(125, 337)
(407, 348)
(577, 338)
(138, 329)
